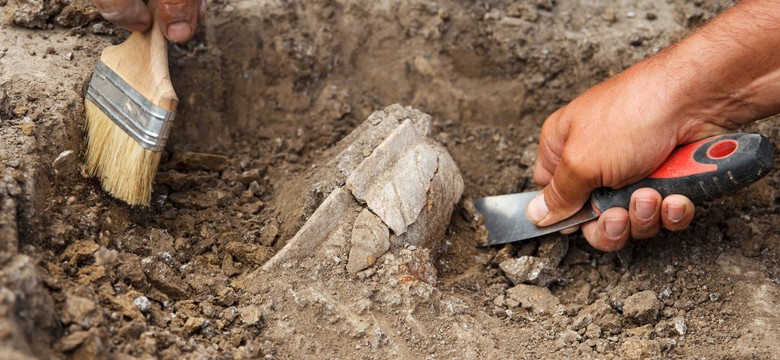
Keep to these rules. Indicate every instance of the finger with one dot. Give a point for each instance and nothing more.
(567, 192)
(570, 230)
(677, 212)
(132, 15)
(178, 19)
(550, 148)
(610, 232)
(202, 11)
(645, 213)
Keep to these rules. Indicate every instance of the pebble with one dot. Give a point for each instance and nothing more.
(535, 298)
(642, 307)
(250, 315)
(27, 126)
(142, 303)
(530, 270)
(65, 162)
(195, 324)
(679, 326)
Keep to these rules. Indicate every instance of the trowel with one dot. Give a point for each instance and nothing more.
(704, 170)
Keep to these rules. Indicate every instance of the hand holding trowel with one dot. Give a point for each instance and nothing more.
(704, 170)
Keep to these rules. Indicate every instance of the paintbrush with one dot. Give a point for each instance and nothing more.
(130, 105)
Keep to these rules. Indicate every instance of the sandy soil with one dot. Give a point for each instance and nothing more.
(266, 88)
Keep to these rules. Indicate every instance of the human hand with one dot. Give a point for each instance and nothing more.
(614, 135)
(179, 18)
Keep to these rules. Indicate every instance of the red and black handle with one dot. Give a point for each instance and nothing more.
(703, 170)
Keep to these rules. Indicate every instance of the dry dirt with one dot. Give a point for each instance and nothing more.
(266, 88)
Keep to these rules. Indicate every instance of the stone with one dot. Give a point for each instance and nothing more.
(369, 240)
(167, 281)
(142, 303)
(247, 253)
(73, 340)
(187, 160)
(599, 309)
(250, 315)
(77, 309)
(642, 307)
(194, 324)
(553, 249)
(679, 326)
(27, 126)
(535, 298)
(530, 270)
(65, 163)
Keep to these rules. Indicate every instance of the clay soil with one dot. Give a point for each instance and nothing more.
(266, 87)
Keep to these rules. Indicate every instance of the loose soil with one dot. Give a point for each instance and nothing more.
(266, 87)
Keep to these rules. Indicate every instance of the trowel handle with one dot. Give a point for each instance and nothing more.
(704, 170)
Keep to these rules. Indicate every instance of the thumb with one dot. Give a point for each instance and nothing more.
(567, 191)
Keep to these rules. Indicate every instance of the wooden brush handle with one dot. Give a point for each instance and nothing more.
(142, 61)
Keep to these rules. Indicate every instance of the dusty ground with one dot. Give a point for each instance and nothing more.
(267, 87)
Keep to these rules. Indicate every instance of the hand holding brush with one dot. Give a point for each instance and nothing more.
(130, 105)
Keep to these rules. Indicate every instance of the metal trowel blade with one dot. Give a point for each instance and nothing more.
(505, 220)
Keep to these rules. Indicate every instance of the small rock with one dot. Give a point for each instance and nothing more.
(71, 341)
(592, 312)
(642, 307)
(593, 331)
(77, 309)
(553, 249)
(651, 16)
(249, 176)
(505, 253)
(167, 281)
(69, 56)
(269, 233)
(530, 270)
(27, 126)
(569, 338)
(537, 299)
(250, 315)
(142, 303)
(714, 297)
(247, 253)
(106, 257)
(194, 324)
(65, 163)
(679, 326)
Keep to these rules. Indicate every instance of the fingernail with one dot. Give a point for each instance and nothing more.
(645, 209)
(675, 212)
(537, 209)
(179, 31)
(615, 226)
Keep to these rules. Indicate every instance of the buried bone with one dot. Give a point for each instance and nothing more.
(388, 184)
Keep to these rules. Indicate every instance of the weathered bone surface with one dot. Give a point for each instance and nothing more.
(389, 182)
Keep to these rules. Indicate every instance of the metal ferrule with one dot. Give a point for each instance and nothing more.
(144, 121)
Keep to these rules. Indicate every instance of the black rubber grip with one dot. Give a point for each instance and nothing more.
(703, 170)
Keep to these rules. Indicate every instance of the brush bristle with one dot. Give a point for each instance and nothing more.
(125, 168)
